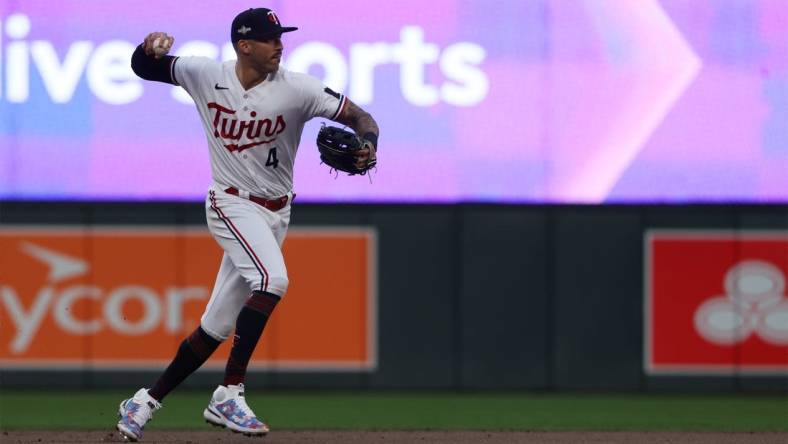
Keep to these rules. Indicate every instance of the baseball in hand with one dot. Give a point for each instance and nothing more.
(160, 47)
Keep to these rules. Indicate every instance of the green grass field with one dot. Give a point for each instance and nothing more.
(416, 411)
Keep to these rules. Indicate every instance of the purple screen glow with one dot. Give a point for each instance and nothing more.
(583, 101)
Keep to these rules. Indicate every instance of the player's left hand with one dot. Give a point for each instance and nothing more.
(366, 155)
(345, 151)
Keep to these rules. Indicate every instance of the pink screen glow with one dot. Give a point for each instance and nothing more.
(587, 101)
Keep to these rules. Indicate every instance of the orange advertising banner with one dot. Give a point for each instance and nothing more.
(125, 297)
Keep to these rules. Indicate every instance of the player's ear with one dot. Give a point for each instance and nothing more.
(243, 47)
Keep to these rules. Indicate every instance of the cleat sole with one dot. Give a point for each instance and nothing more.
(218, 421)
(126, 437)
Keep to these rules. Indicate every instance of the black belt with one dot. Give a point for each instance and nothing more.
(270, 204)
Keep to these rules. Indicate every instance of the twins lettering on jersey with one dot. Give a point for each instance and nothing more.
(232, 129)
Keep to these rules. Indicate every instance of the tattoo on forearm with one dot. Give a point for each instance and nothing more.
(358, 119)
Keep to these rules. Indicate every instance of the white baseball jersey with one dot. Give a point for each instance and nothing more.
(254, 134)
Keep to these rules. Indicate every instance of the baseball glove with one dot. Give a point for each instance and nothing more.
(338, 149)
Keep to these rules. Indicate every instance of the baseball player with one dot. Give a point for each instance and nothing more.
(253, 112)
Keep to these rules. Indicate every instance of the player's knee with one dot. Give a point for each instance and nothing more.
(218, 330)
(278, 285)
(224, 330)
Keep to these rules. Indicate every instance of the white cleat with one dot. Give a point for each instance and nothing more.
(134, 413)
(228, 408)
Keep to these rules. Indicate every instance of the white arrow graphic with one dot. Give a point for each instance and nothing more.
(607, 115)
(61, 267)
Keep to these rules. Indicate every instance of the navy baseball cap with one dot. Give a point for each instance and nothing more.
(257, 24)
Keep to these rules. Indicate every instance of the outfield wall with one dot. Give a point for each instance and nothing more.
(501, 297)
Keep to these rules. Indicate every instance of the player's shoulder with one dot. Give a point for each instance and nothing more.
(295, 79)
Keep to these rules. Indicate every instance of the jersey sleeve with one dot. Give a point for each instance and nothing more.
(320, 100)
(186, 72)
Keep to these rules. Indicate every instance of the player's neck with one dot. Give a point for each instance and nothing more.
(249, 76)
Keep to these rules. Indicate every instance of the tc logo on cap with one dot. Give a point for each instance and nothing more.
(273, 18)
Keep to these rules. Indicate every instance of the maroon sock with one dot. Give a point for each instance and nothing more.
(248, 329)
(192, 353)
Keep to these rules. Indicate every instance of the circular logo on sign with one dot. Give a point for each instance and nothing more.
(753, 304)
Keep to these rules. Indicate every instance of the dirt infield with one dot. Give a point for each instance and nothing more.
(397, 437)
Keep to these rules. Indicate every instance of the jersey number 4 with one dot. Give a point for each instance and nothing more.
(272, 160)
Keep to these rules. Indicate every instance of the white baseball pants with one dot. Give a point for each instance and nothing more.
(251, 237)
